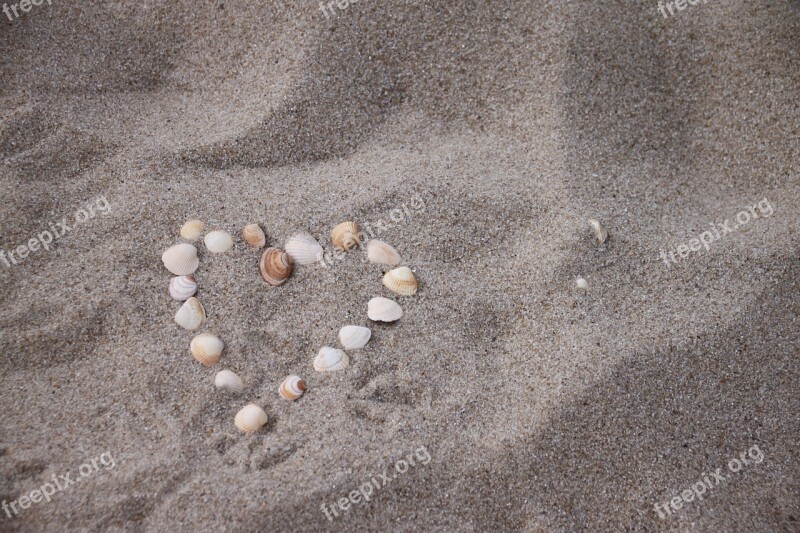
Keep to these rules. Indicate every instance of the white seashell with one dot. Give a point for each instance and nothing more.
(303, 249)
(228, 381)
(181, 259)
(192, 230)
(581, 283)
(218, 242)
(182, 288)
(292, 387)
(384, 310)
(401, 281)
(254, 236)
(207, 349)
(599, 231)
(191, 315)
(380, 252)
(330, 359)
(250, 418)
(354, 337)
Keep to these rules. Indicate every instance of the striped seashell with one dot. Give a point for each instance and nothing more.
(181, 259)
(191, 315)
(345, 235)
(192, 230)
(275, 266)
(330, 359)
(304, 249)
(354, 337)
(228, 381)
(254, 236)
(250, 418)
(401, 281)
(384, 310)
(218, 242)
(207, 349)
(382, 253)
(292, 387)
(182, 288)
(599, 231)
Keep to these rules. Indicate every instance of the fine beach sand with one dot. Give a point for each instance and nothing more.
(495, 130)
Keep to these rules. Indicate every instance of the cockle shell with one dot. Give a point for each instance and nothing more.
(345, 235)
(182, 288)
(581, 283)
(599, 231)
(181, 259)
(228, 381)
(401, 281)
(329, 359)
(250, 418)
(292, 387)
(218, 242)
(207, 348)
(383, 310)
(275, 266)
(191, 315)
(254, 236)
(380, 252)
(303, 249)
(192, 230)
(354, 337)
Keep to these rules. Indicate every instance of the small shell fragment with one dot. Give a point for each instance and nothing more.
(382, 253)
(292, 387)
(345, 235)
(581, 283)
(192, 230)
(401, 281)
(228, 381)
(275, 266)
(181, 288)
(181, 259)
(191, 315)
(250, 418)
(354, 337)
(384, 310)
(254, 236)
(304, 249)
(207, 349)
(599, 231)
(329, 359)
(218, 242)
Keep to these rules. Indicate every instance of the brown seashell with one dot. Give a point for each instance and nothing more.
(345, 236)
(275, 266)
(254, 236)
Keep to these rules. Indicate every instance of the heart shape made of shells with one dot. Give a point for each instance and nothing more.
(275, 266)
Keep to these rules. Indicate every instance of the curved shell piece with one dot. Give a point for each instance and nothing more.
(275, 266)
(581, 283)
(192, 230)
(380, 252)
(345, 235)
(181, 259)
(304, 249)
(182, 288)
(384, 310)
(228, 381)
(218, 242)
(250, 418)
(292, 387)
(599, 231)
(191, 315)
(354, 337)
(254, 236)
(207, 349)
(329, 359)
(401, 281)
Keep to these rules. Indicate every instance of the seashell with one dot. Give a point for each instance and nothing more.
(380, 252)
(581, 283)
(192, 230)
(354, 337)
(207, 349)
(254, 236)
(228, 381)
(384, 310)
(401, 281)
(218, 242)
(303, 249)
(330, 359)
(292, 387)
(250, 418)
(182, 288)
(275, 266)
(599, 231)
(191, 315)
(181, 259)
(345, 235)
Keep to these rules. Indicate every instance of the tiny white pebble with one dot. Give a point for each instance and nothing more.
(581, 283)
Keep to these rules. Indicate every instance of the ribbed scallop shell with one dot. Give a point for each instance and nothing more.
(329, 359)
(384, 310)
(191, 315)
(254, 236)
(354, 337)
(218, 242)
(207, 349)
(303, 249)
(228, 381)
(181, 259)
(599, 231)
(250, 418)
(275, 266)
(345, 235)
(292, 387)
(192, 230)
(182, 288)
(382, 253)
(401, 281)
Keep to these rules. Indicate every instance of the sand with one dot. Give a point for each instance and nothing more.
(475, 137)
